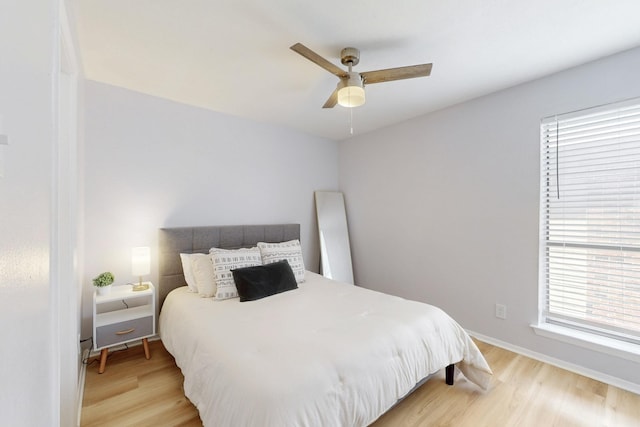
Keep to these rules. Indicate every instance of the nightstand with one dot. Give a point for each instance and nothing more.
(121, 317)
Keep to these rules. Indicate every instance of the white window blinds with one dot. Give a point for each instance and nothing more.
(590, 220)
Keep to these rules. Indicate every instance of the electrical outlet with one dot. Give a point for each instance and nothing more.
(501, 311)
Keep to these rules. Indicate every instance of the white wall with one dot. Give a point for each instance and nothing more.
(444, 208)
(31, 340)
(152, 163)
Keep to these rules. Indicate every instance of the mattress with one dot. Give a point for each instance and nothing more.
(325, 354)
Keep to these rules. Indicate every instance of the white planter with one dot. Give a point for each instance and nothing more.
(104, 290)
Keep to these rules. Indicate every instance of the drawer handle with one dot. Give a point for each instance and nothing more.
(128, 331)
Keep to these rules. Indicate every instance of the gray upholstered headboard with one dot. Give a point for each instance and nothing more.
(174, 241)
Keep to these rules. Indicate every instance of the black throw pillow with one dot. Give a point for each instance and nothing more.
(261, 281)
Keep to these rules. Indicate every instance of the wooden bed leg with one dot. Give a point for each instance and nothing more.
(449, 370)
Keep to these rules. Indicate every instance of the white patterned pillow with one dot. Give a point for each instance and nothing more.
(188, 272)
(202, 269)
(225, 260)
(291, 251)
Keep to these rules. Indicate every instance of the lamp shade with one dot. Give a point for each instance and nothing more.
(351, 91)
(141, 261)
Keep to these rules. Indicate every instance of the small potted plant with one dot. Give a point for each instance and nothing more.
(103, 282)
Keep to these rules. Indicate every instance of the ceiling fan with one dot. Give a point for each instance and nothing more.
(350, 90)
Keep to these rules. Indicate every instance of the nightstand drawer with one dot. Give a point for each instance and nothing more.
(123, 331)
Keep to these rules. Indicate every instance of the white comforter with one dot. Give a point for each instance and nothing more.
(326, 354)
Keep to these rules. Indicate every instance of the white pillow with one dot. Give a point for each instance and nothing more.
(225, 260)
(291, 251)
(188, 272)
(202, 268)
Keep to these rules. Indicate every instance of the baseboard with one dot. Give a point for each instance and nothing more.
(576, 369)
(81, 377)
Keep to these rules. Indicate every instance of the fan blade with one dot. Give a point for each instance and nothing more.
(390, 74)
(317, 59)
(332, 101)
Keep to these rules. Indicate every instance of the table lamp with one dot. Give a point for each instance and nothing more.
(140, 266)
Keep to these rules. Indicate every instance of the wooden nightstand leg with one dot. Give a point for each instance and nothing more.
(145, 344)
(103, 360)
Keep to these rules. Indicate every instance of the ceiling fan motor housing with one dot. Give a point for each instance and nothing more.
(352, 79)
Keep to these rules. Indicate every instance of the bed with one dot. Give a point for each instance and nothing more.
(323, 354)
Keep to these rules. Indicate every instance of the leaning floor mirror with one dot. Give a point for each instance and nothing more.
(335, 252)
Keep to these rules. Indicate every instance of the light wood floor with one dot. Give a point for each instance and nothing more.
(134, 391)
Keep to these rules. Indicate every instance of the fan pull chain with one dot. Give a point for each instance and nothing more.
(349, 64)
(351, 120)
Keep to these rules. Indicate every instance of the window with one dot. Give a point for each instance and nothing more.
(590, 221)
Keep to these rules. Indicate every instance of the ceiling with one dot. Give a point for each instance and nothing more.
(233, 56)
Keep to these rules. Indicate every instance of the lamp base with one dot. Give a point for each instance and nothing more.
(140, 287)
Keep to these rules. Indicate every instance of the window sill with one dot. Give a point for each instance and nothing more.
(590, 341)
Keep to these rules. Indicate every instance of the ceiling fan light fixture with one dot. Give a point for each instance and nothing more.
(351, 91)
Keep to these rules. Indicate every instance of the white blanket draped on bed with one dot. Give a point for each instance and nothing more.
(326, 354)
